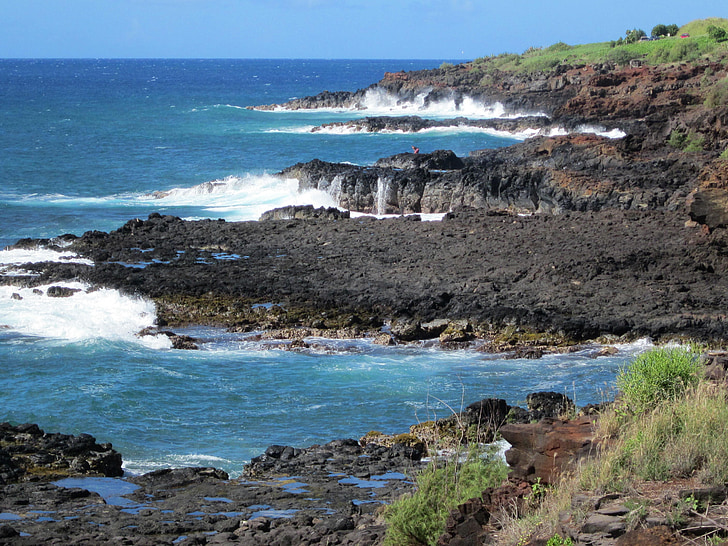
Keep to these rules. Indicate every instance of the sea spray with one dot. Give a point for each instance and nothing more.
(243, 198)
(80, 314)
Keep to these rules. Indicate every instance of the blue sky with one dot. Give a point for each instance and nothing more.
(352, 29)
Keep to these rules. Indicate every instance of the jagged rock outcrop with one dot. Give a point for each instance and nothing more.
(304, 212)
(29, 454)
(542, 175)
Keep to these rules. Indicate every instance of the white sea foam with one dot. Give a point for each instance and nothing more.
(380, 102)
(11, 259)
(136, 467)
(243, 198)
(20, 256)
(524, 134)
(101, 314)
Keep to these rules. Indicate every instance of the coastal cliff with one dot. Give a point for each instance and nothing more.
(670, 121)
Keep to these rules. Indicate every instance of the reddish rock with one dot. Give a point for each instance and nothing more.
(543, 450)
(655, 536)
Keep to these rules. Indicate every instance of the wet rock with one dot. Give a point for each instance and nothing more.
(304, 212)
(61, 291)
(28, 453)
(549, 405)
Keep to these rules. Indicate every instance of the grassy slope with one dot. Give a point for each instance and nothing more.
(673, 49)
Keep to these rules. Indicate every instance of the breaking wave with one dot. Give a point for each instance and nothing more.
(242, 198)
(83, 314)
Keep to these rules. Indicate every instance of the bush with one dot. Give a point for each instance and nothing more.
(559, 46)
(717, 96)
(684, 50)
(718, 34)
(420, 518)
(621, 56)
(692, 142)
(656, 376)
(682, 438)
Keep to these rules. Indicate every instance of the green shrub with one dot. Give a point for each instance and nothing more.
(559, 46)
(692, 142)
(684, 50)
(717, 96)
(681, 438)
(724, 154)
(556, 540)
(658, 375)
(621, 56)
(718, 34)
(677, 139)
(695, 143)
(420, 518)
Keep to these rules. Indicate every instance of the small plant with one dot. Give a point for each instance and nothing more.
(420, 518)
(538, 490)
(637, 512)
(658, 375)
(556, 540)
(681, 510)
(724, 154)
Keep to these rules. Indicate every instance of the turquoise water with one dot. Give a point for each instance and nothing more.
(85, 144)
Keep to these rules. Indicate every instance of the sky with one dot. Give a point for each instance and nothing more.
(323, 29)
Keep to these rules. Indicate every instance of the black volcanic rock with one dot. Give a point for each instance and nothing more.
(28, 453)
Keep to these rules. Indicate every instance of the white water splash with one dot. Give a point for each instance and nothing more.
(10, 260)
(381, 197)
(101, 314)
(243, 198)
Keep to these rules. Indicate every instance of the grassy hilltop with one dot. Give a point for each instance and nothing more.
(699, 44)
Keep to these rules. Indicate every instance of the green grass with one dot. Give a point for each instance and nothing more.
(666, 50)
(699, 27)
(658, 375)
(420, 518)
(680, 438)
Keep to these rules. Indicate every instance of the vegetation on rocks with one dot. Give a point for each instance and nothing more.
(666, 427)
(420, 518)
(706, 38)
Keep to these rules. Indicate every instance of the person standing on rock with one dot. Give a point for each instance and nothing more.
(415, 150)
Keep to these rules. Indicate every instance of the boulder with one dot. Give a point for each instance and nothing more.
(304, 212)
(545, 449)
(548, 405)
(29, 453)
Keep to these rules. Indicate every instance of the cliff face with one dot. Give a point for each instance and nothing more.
(668, 158)
(541, 175)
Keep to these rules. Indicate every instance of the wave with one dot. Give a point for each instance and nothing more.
(242, 198)
(523, 134)
(19, 256)
(380, 102)
(84, 315)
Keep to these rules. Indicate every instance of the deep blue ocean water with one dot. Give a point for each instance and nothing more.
(85, 144)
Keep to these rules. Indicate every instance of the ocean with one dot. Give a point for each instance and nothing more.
(89, 144)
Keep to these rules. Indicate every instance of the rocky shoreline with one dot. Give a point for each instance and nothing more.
(548, 243)
(500, 278)
(55, 491)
